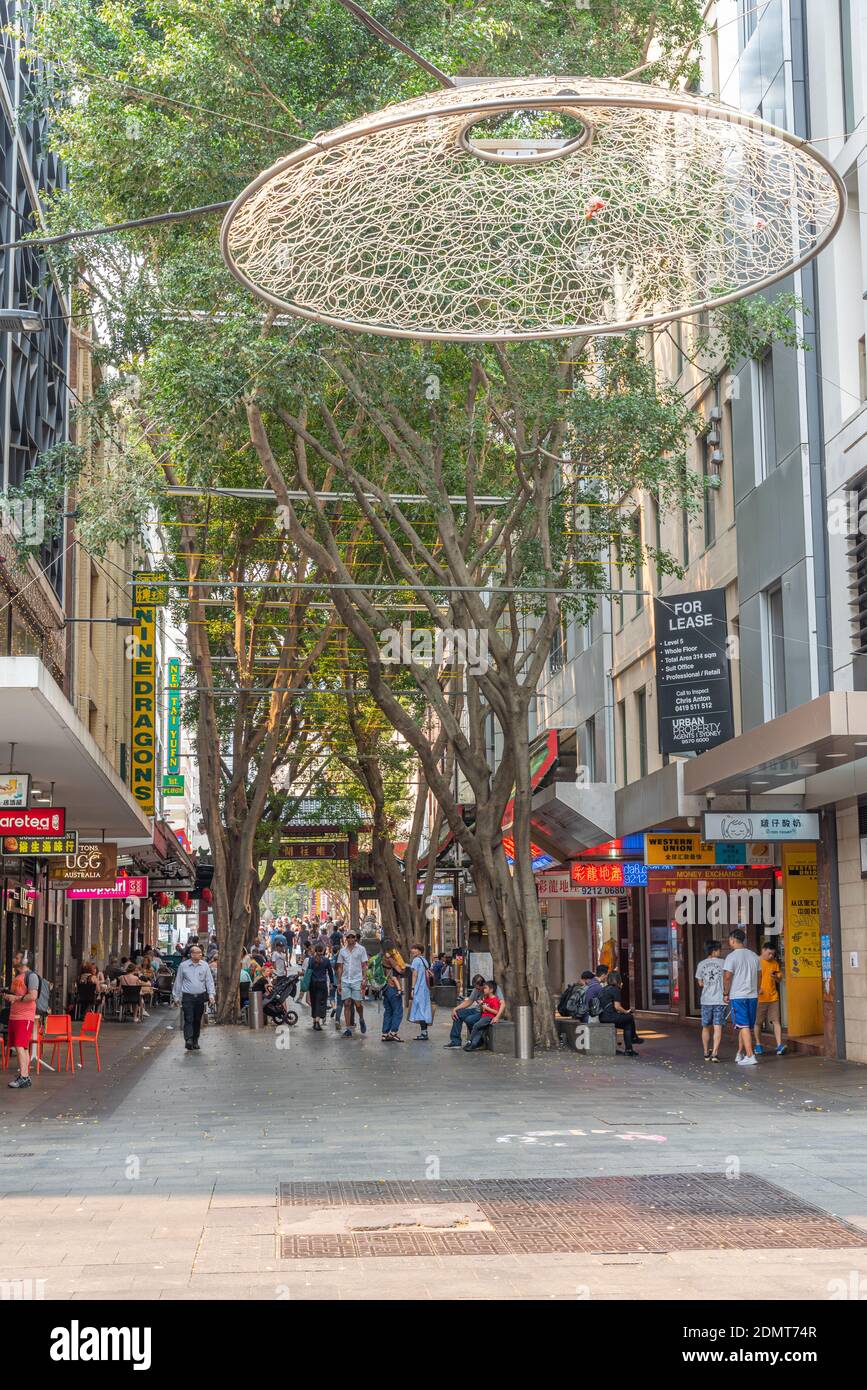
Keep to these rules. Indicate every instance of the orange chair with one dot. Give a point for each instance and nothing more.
(56, 1033)
(89, 1034)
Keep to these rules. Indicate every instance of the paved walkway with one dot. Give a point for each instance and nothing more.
(160, 1177)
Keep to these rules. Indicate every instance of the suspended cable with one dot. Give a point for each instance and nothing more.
(388, 37)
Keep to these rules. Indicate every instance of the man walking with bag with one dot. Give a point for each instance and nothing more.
(194, 983)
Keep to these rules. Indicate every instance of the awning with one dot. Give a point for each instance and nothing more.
(567, 817)
(817, 752)
(163, 858)
(53, 745)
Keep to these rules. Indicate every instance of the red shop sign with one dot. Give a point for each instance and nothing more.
(598, 875)
(50, 821)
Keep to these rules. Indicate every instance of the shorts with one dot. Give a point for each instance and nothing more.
(768, 1009)
(20, 1032)
(744, 1012)
(350, 992)
(713, 1014)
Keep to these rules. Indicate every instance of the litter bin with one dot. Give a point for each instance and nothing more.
(255, 1010)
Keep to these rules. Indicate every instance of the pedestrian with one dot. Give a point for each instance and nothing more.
(321, 974)
(352, 981)
(612, 1011)
(392, 997)
(768, 1010)
(709, 975)
(741, 988)
(420, 1010)
(193, 985)
(280, 961)
(22, 1014)
(491, 1007)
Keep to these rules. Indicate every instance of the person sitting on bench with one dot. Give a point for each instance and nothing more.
(612, 1011)
(468, 1012)
(491, 1008)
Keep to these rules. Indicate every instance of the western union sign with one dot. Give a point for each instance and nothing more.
(144, 708)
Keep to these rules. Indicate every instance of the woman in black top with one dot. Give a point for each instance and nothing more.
(321, 976)
(612, 1011)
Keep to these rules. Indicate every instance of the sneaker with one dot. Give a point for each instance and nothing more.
(630, 1052)
(196, 1047)
(347, 1033)
(740, 1057)
(758, 1050)
(20, 1083)
(362, 1026)
(707, 1056)
(781, 1049)
(714, 1057)
(749, 1062)
(188, 1046)
(422, 1037)
(447, 1045)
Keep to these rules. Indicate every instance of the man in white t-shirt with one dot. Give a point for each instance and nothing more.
(709, 974)
(351, 981)
(741, 989)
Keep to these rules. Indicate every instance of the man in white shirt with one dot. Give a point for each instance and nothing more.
(741, 989)
(351, 981)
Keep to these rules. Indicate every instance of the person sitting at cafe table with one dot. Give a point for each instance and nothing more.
(131, 980)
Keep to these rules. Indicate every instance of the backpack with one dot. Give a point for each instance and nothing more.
(594, 1008)
(376, 973)
(43, 995)
(573, 1003)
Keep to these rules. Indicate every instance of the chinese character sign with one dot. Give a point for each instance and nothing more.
(173, 739)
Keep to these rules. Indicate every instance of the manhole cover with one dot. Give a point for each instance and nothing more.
(612, 1215)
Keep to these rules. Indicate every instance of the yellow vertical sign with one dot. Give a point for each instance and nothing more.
(803, 939)
(144, 709)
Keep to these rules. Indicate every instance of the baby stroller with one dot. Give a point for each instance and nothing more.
(276, 1002)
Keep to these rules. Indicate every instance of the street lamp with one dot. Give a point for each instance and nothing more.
(21, 321)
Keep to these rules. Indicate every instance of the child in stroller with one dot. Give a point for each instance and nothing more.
(276, 1005)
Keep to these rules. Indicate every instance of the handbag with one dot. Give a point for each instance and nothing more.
(306, 979)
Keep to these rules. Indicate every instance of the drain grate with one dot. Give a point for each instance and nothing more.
(611, 1215)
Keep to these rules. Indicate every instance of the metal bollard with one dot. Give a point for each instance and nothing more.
(255, 1014)
(523, 1016)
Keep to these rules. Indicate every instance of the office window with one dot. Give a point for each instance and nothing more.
(776, 651)
(748, 15)
(641, 721)
(621, 720)
(635, 525)
(763, 395)
(587, 767)
(862, 367)
(849, 121)
(618, 584)
(656, 524)
(707, 473)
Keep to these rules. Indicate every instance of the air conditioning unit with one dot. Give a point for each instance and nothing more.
(716, 412)
(717, 458)
(713, 436)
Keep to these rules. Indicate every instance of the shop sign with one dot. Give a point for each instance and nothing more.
(40, 846)
(150, 589)
(693, 672)
(563, 886)
(801, 897)
(670, 849)
(94, 862)
(121, 888)
(173, 784)
(14, 790)
(173, 739)
(144, 709)
(609, 875)
(51, 821)
(761, 825)
(315, 849)
(673, 880)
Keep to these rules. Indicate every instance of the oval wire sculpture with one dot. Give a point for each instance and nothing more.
(394, 225)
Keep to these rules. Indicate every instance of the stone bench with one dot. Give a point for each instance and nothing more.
(596, 1039)
(444, 996)
(500, 1037)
